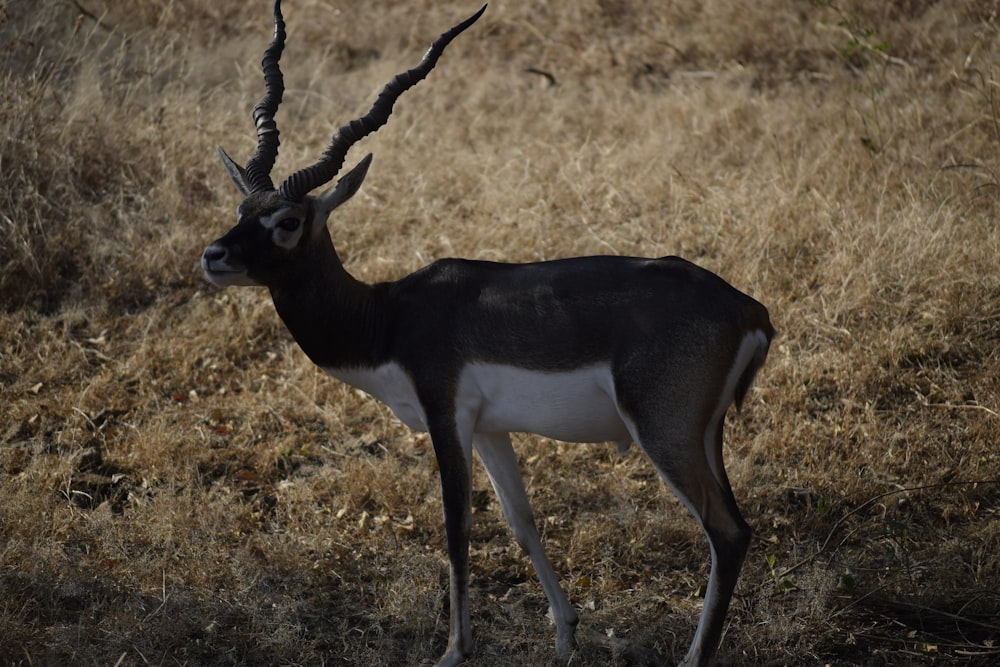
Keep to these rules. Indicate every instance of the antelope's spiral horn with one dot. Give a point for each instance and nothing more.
(299, 184)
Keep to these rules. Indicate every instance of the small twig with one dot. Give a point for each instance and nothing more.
(549, 76)
(83, 414)
(92, 16)
(697, 74)
(163, 597)
(959, 406)
(945, 614)
(862, 42)
(976, 654)
(857, 601)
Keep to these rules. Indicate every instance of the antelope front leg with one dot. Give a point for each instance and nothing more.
(455, 464)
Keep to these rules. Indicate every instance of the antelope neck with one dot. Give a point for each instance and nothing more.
(331, 314)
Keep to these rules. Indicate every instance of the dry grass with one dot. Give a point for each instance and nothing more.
(181, 487)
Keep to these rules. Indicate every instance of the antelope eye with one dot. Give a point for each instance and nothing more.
(289, 224)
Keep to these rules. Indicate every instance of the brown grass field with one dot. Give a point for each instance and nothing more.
(182, 487)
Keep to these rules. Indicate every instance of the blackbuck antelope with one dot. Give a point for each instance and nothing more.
(589, 349)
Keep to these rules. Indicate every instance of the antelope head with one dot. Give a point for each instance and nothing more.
(278, 228)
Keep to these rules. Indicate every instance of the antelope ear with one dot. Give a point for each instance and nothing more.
(236, 173)
(345, 188)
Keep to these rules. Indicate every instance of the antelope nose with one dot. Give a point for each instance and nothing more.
(213, 253)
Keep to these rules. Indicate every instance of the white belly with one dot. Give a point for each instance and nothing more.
(575, 406)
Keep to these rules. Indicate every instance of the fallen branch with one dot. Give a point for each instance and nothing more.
(867, 503)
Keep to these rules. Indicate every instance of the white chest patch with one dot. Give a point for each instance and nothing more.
(391, 385)
(575, 406)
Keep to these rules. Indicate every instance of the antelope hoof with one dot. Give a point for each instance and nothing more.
(452, 658)
(566, 643)
(457, 651)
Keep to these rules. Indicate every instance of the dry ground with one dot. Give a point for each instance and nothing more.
(180, 486)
